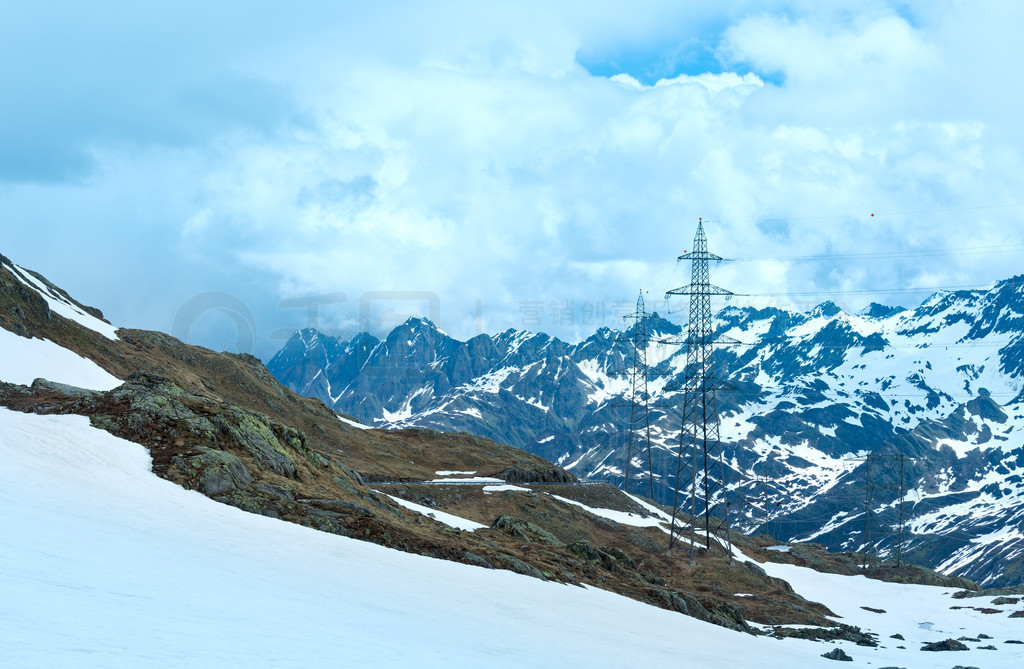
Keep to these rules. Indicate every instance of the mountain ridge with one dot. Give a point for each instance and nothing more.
(809, 392)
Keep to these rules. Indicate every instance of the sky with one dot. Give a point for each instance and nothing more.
(229, 172)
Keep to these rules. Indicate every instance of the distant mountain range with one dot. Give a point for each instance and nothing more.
(807, 398)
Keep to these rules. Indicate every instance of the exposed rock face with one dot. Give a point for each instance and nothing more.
(213, 472)
(608, 558)
(718, 613)
(525, 530)
(839, 632)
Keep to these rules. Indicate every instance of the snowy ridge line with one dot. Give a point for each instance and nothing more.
(61, 305)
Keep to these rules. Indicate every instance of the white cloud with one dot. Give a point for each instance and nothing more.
(462, 150)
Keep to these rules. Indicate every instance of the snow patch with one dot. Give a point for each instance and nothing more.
(24, 360)
(62, 306)
(354, 423)
(440, 516)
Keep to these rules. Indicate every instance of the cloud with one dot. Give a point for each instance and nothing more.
(484, 153)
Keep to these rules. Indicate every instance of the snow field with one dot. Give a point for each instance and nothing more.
(921, 613)
(23, 360)
(102, 564)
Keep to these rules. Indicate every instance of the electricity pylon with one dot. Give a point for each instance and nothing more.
(639, 398)
(878, 482)
(699, 439)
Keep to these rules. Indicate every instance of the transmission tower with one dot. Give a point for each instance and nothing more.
(639, 398)
(699, 441)
(878, 482)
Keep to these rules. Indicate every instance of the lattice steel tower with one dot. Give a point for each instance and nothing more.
(639, 398)
(700, 464)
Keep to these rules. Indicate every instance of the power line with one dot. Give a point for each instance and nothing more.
(855, 215)
(886, 291)
(971, 250)
(926, 345)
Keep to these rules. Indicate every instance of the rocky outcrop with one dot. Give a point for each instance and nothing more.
(948, 644)
(213, 472)
(524, 530)
(712, 611)
(608, 558)
(990, 592)
(839, 632)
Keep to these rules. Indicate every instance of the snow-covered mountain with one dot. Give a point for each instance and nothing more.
(163, 504)
(806, 398)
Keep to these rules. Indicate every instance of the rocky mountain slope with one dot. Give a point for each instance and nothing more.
(90, 526)
(820, 413)
(220, 424)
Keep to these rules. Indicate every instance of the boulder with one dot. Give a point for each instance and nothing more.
(65, 389)
(948, 644)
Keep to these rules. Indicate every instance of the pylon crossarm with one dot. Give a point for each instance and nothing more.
(699, 255)
(698, 290)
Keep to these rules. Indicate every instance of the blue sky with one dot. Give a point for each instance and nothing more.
(250, 168)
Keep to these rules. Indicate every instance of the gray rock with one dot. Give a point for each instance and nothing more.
(515, 564)
(250, 430)
(214, 472)
(65, 389)
(948, 644)
(524, 530)
(277, 491)
(474, 559)
(756, 569)
(837, 654)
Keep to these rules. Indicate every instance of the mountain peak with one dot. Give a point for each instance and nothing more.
(418, 322)
(876, 310)
(827, 309)
(655, 323)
